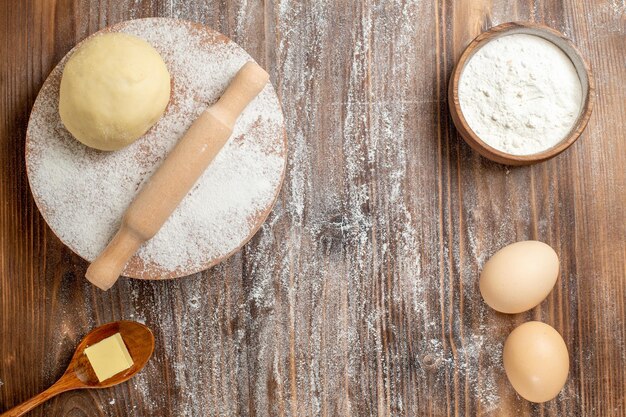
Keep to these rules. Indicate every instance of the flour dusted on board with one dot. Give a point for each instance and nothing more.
(520, 94)
(84, 193)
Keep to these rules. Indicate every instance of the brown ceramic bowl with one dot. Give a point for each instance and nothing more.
(557, 38)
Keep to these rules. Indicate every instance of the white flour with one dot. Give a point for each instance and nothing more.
(520, 94)
(83, 193)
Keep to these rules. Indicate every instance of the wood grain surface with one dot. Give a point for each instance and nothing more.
(359, 295)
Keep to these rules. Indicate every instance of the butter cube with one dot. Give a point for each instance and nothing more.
(109, 357)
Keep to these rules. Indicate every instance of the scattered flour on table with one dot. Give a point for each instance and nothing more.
(520, 94)
(83, 192)
(213, 372)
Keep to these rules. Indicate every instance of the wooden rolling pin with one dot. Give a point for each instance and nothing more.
(177, 174)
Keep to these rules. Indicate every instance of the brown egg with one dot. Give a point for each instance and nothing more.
(519, 276)
(536, 361)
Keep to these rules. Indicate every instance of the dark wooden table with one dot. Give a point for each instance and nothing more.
(359, 295)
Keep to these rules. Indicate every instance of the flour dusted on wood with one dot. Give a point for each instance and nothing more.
(520, 94)
(83, 193)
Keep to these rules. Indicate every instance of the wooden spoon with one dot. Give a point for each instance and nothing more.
(79, 374)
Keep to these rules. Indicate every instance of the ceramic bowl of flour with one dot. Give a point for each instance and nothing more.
(521, 93)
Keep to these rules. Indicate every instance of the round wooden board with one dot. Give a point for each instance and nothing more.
(82, 193)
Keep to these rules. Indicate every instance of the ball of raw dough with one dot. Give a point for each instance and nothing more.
(113, 89)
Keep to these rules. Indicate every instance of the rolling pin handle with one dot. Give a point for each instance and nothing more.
(245, 86)
(106, 269)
